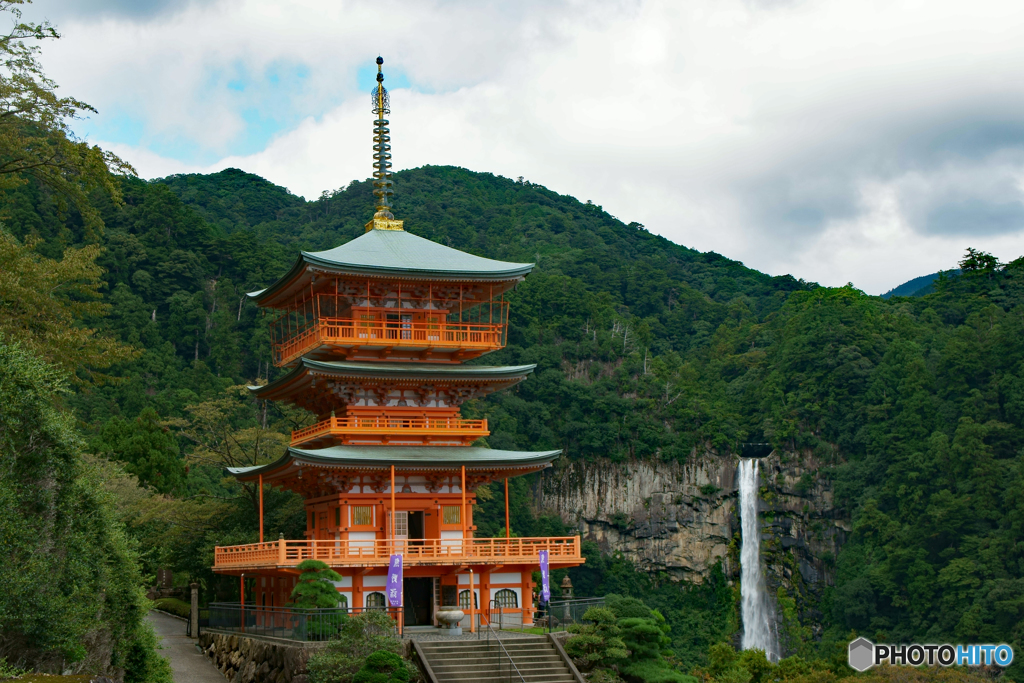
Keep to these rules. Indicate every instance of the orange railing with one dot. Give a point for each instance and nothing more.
(350, 332)
(390, 425)
(427, 551)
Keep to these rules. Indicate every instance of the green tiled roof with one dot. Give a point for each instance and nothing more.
(418, 456)
(423, 371)
(396, 252)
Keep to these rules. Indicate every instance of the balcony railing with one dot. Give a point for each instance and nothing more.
(378, 334)
(393, 430)
(563, 550)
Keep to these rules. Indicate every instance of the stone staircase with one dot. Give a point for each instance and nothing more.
(476, 661)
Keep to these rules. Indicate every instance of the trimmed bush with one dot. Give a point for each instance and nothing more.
(382, 667)
(174, 606)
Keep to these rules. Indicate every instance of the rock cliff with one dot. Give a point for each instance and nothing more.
(682, 518)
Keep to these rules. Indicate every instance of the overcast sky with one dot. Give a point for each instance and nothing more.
(840, 141)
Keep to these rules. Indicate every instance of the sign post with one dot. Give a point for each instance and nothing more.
(395, 587)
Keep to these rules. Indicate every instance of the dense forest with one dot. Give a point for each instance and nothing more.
(645, 349)
(126, 342)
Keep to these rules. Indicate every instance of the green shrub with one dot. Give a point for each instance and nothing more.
(625, 608)
(655, 671)
(360, 637)
(382, 667)
(597, 644)
(174, 606)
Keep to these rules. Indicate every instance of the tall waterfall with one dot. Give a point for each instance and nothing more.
(758, 616)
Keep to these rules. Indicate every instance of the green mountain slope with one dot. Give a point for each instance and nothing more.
(645, 349)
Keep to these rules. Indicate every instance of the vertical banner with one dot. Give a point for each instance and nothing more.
(395, 581)
(545, 585)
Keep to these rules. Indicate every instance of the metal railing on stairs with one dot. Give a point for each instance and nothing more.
(494, 610)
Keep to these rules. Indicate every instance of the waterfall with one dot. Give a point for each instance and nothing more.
(758, 616)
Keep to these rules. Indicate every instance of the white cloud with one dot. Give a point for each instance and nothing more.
(827, 139)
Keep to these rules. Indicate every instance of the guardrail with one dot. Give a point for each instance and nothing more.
(389, 425)
(289, 623)
(426, 551)
(351, 332)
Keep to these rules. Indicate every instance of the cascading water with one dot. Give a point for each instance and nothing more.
(758, 617)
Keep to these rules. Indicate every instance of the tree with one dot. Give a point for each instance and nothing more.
(147, 448)
(314, 588)
(44, 303)
(36, 141)
(597, 643)
(230, 432)
(69, 571)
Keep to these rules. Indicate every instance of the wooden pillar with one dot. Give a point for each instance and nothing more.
(261, 507)
(508, 529)
(463, 489)
(472, 602)
(392, 506)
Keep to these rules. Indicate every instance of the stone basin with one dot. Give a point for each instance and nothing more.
(449, 620)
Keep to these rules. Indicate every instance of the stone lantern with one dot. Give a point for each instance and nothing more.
(566, 588)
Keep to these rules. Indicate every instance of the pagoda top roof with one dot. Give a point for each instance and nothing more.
(296, 379)
(395, 253)
(402, 457)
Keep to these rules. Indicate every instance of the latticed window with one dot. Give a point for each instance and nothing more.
(464, 600)
(342, 601)
(376, 600)
(451, 514)
(401, 524)
(506, 598)
(362, 515)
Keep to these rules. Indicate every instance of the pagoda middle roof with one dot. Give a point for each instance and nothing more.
(393, 253)
(402, 457)
(425, 372)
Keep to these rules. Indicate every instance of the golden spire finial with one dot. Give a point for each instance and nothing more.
(383, 219)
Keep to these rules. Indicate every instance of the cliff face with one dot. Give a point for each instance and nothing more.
(682, 518)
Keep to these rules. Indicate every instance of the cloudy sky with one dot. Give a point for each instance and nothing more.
(865, 142)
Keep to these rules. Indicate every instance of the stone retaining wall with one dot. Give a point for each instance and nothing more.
(245, 659)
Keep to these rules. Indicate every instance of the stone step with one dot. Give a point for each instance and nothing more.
(480, 664)
(462, 661)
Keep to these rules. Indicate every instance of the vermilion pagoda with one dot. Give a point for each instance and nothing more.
(374, 333)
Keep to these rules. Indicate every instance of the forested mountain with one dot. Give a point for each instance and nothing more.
(645, 349)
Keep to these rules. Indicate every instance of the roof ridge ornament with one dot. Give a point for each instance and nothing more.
(383, 219)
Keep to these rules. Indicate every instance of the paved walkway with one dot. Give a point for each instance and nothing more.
(187, 663)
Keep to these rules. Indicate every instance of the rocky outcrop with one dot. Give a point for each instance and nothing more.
(255, 660)
(681, 518)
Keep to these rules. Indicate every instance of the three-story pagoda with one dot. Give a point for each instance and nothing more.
(374, 333)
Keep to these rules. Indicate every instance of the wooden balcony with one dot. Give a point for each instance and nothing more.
(391, 431)
(378, 340)
(283, 554)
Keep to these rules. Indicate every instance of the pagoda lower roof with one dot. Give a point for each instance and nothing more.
(389, 253)
(404, 458)
(298, 379)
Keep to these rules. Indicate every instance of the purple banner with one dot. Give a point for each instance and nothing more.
(395, 581)
(545, 584)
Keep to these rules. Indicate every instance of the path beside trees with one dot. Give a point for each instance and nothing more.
(187, 663)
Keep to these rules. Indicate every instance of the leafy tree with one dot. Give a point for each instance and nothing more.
(36, 141)
(68, 569)
(314, 588)
(147, 448)
(44, 302)
(597, 642)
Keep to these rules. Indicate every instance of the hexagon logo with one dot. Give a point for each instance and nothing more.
(861, 655)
